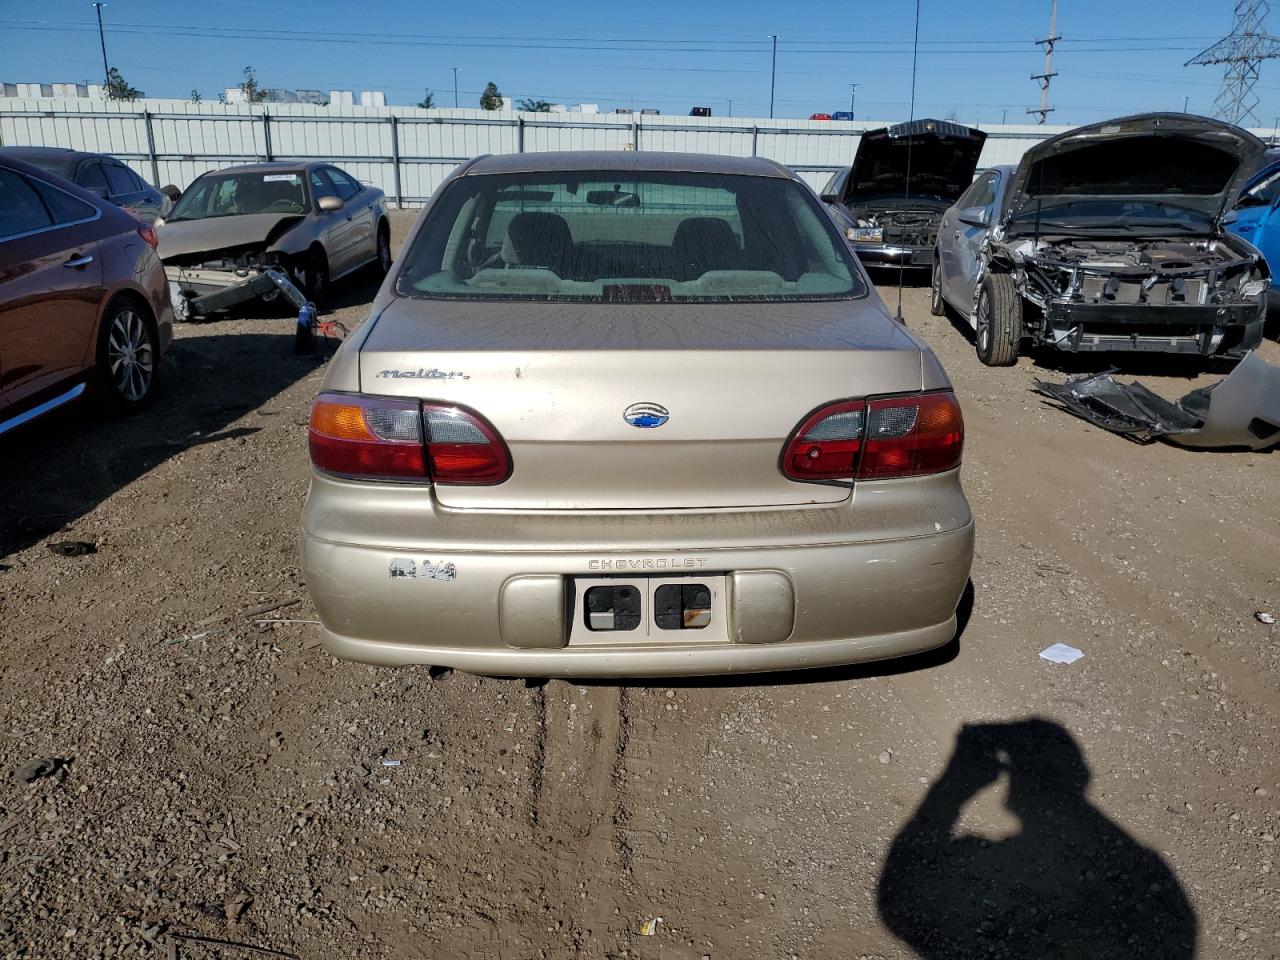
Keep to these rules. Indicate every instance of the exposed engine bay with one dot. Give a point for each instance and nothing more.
(1158, 271)
(1176, 294)
(900, 224)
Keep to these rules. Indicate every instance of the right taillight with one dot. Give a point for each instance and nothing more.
(877, 439)
(389, 438)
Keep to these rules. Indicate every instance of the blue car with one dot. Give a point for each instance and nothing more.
(1256, 218)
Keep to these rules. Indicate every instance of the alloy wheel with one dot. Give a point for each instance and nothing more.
(983, 332)
(130, 357)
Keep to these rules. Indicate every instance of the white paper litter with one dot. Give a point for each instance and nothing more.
(1061, 653)
(1263, 617)
(388, 762)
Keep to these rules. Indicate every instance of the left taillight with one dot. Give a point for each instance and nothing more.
(880, 439)
(388, 438)
(148, 234)
(367, 438)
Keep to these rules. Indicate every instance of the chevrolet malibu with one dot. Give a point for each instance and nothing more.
(632, 414)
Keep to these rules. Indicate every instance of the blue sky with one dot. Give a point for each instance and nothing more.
(975, 57)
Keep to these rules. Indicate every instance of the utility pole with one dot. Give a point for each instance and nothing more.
(1004, 116)
(1044, 78)
(730, 99)
(1242, 51)
(1186, 102)
(853, 93)
(773, 73)
(455, 88)
(102, 39)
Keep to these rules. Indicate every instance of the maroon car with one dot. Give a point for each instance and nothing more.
(84, 303)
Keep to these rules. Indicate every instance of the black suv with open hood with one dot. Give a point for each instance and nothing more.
(1111, 237)
(889, 203)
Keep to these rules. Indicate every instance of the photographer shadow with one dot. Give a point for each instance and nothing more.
(1069, 883)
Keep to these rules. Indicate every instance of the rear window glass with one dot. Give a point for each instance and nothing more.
(21, 209)
(63, 206)
(628, 237)
(121, 180)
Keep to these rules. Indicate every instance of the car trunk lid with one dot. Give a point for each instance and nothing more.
(556, 380)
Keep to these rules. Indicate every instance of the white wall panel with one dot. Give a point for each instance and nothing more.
(191, 138)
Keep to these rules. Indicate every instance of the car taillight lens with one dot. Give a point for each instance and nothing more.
(370, 438)
(877, 439)
(462, 447)
(148, 234)
(388, 438)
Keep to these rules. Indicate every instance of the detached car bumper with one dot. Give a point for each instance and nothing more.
(791, 588)
(1230, 330)
(197, 292)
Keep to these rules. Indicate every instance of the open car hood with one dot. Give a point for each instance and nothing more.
(180, 238)
(1171, 159)
(943, 157)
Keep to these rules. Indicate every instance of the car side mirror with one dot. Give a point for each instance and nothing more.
(829, 198)
(99, 192)
(975, 216)
(172, 192)
(329, 204)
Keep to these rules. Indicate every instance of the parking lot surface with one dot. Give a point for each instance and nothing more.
(223, 777)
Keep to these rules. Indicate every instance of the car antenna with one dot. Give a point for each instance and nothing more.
(915, 52)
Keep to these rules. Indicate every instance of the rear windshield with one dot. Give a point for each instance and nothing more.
(628, 237)
(236, 194)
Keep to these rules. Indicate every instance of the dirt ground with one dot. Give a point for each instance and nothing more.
(225, 778)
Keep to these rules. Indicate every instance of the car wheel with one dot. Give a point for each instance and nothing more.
(999, 328)
(127, 356)
(384, 249)
(937, 306)
(315, 278)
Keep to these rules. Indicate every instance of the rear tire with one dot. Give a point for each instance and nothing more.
(999, 330)
(937, 306)
(383, 259)
(128, 358)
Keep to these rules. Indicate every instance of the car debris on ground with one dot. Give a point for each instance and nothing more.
(1241, 411)
(1061, 653)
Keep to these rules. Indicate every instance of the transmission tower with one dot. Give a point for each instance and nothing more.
(1044, 109)
(1242, 51)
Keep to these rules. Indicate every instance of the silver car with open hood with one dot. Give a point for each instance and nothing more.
(1109, 237)
(632, 414)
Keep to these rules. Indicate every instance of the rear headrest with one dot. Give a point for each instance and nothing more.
(704, 243)
(538, 240)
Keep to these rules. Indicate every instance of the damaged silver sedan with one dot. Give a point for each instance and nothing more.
(1108, 237)
(262, 231)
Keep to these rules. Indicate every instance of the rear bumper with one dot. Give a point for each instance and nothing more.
(1205, 330)
(817, 598)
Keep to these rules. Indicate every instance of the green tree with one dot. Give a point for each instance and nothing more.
(530, 105)
(118, 87)
(195, 95)
(249, 87)
(427, 102)
(491, 99)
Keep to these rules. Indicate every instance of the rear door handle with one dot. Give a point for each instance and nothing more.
(81, 261)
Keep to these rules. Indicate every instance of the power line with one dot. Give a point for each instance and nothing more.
(1242, 51)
